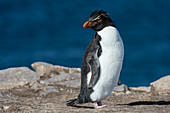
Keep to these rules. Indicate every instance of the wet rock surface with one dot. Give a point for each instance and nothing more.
(49, 87)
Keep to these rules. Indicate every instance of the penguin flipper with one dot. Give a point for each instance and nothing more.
(93, 62)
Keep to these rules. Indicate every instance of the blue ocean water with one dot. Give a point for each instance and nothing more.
(51, 31)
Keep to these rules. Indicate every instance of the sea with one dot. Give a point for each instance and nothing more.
(52, 31)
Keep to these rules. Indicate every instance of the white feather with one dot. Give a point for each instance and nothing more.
(110, 60)
(89, 77)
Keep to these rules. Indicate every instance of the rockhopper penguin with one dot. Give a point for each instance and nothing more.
(102, 61)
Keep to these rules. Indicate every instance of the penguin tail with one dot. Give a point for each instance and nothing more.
(72, 102)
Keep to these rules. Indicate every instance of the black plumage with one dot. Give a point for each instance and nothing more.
(102, 21)
(89, 61)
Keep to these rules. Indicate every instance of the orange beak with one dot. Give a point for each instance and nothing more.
(87, 24)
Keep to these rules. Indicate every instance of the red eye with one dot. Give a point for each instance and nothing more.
(98, 20)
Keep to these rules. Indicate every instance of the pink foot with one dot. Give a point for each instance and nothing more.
(98, 105)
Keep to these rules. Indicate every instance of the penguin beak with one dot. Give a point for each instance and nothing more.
(87, 24)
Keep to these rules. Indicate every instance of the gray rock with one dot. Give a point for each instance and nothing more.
(71, 83)
(15, 77)
(37, 86)
(56, 75)
(43, 69)
(47, 70)
(141, 88)
(45, 83)
(161, 86)
(121, 88)
(6, 108)
(58, 78)
(48, 90)
(44, 90)
(3, 95)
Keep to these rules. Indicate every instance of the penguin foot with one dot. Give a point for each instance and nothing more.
(98, 105)
(72, 102)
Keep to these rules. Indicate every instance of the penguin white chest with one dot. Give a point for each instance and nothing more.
(111, 61)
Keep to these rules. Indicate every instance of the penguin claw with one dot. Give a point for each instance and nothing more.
(98, 105)
(72, 102)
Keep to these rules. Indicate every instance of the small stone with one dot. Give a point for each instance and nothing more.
(128, 92)
(161, 86)
(44, 82)
(3, 95)
(121, 88)
(5, 108)
(118, 83)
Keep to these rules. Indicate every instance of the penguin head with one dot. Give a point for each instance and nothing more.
(98, 20)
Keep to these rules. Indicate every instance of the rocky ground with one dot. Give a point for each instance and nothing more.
(47, 89)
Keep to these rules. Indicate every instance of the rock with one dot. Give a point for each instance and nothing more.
(45, 83)
(6, 107)
(43, 69)
(46, 70)
(141, 88)
(161, 86)
(71, 83)
(47, 90)
(36, 86)
(15, 77)
(52, 75)
(3, 95)
(58, 78)
(119, 82)
(121, 88)
(44, 90)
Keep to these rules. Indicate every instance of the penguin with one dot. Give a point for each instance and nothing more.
(102, 61)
